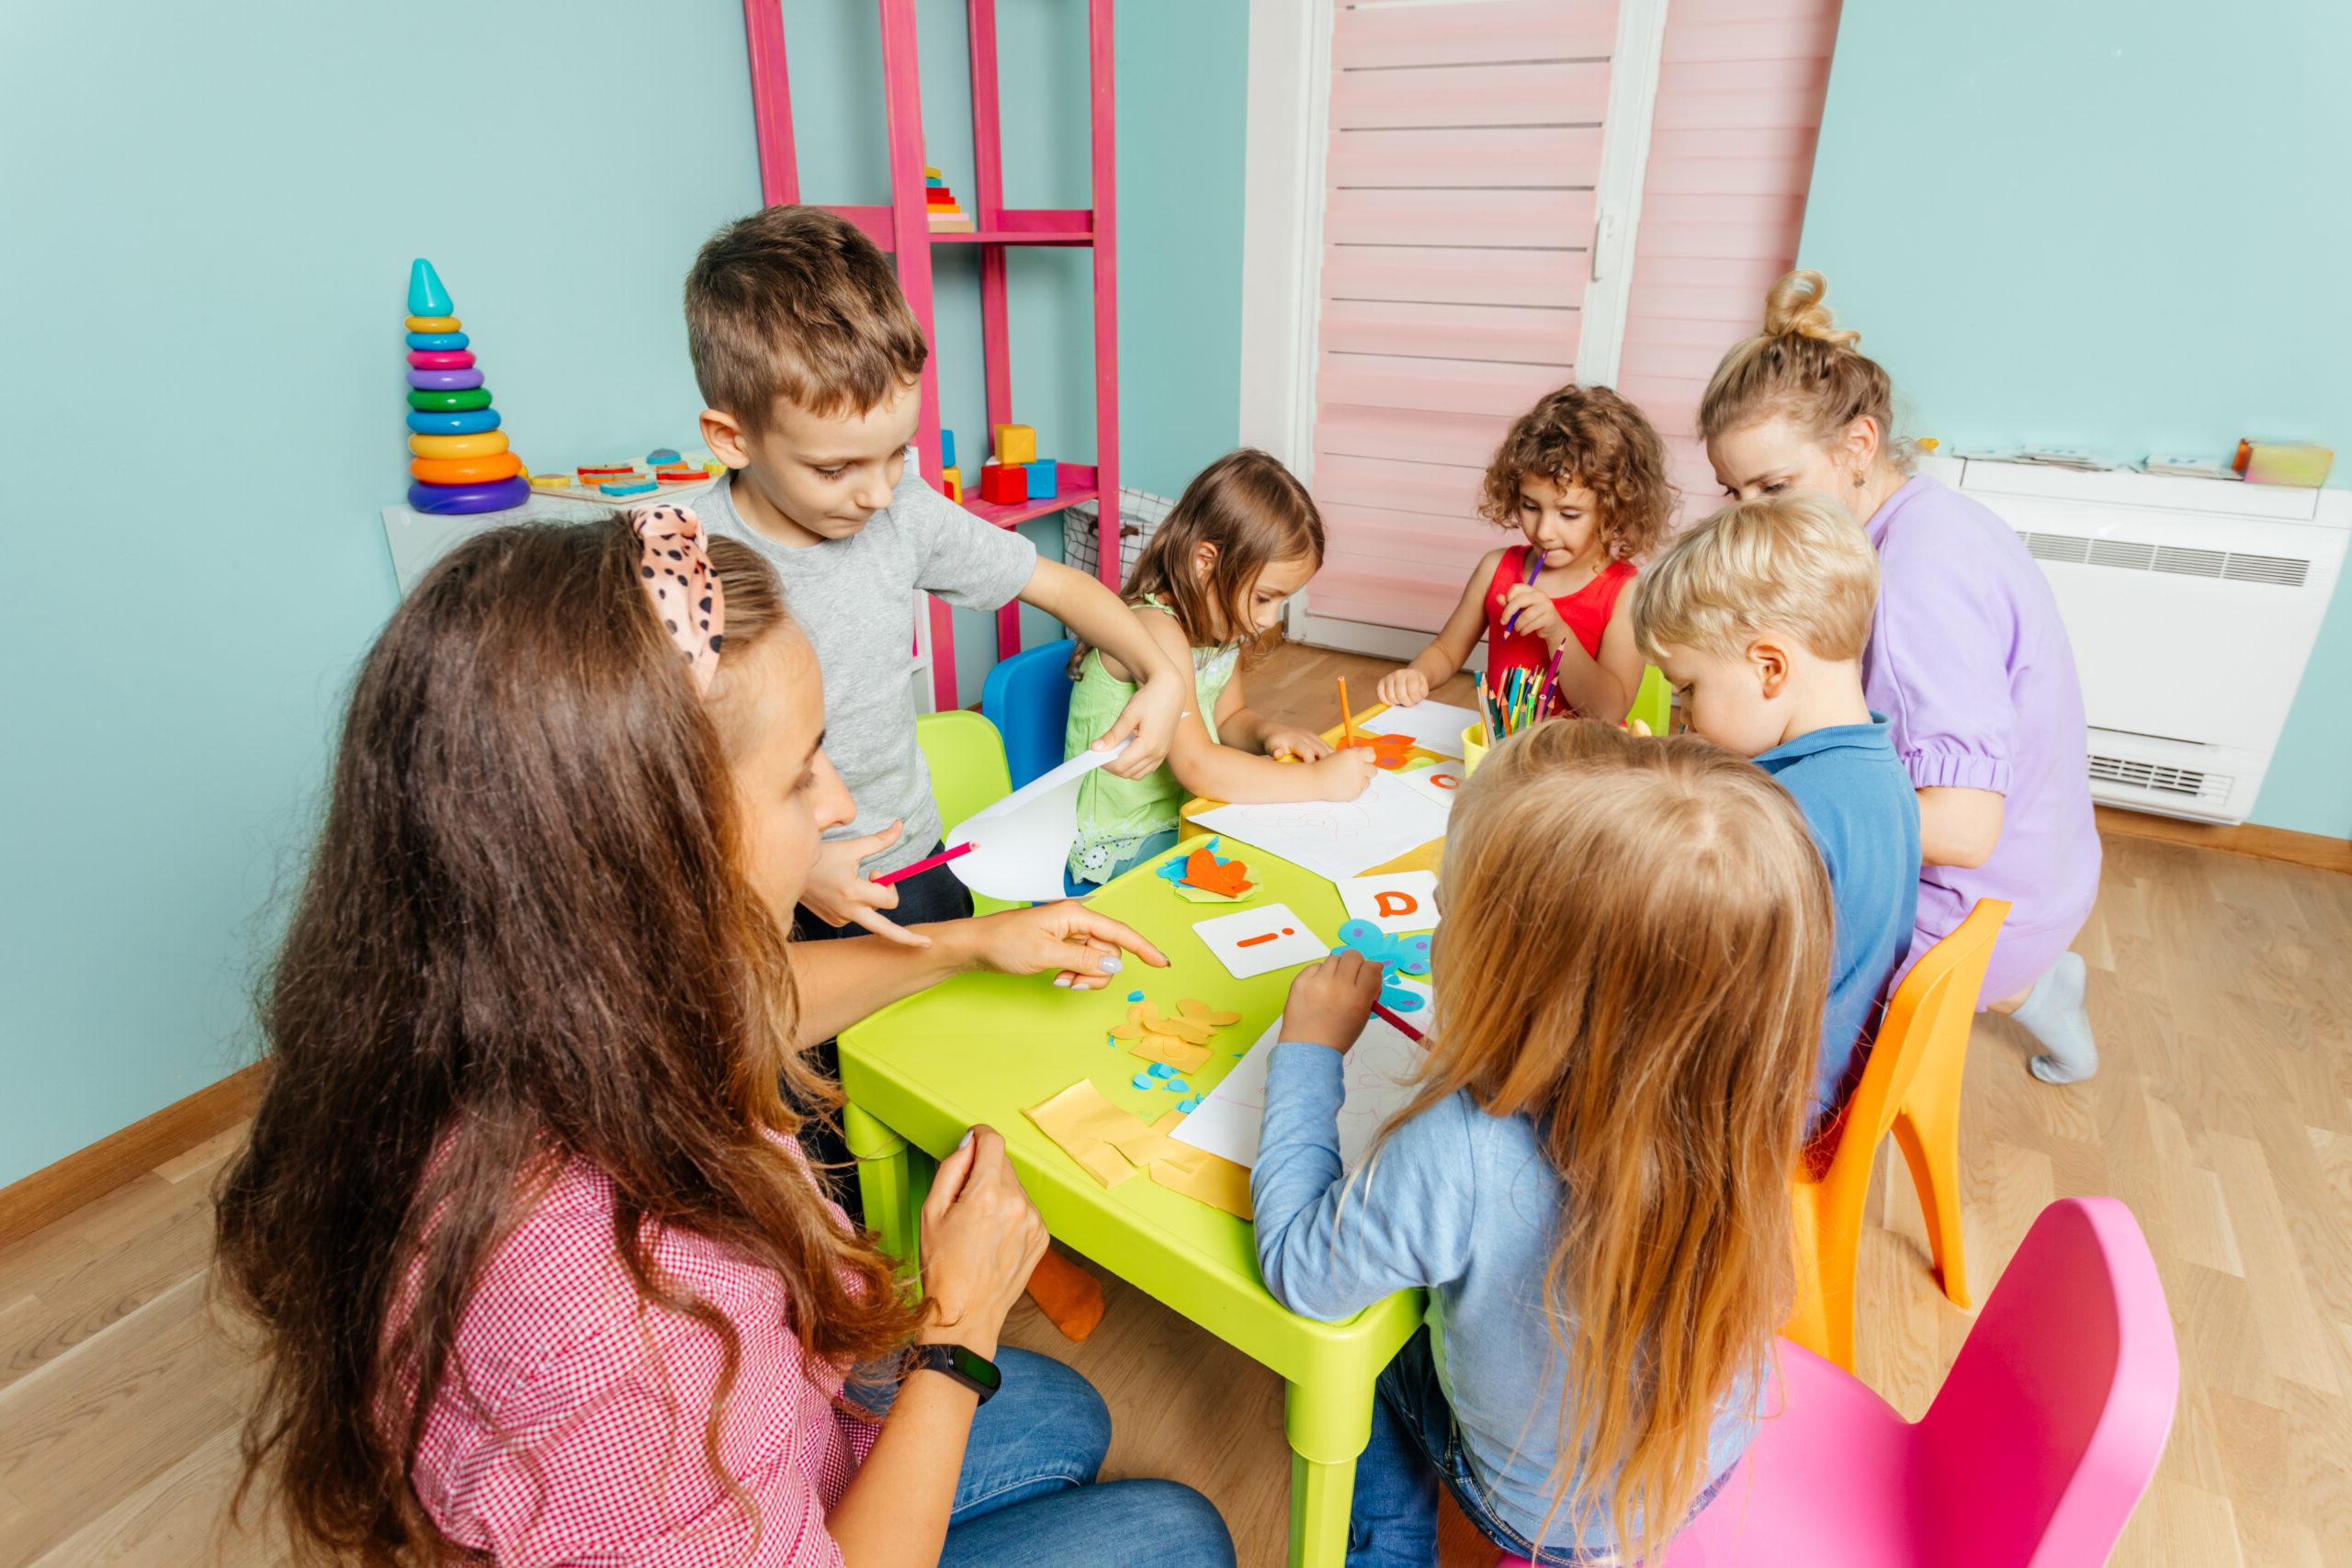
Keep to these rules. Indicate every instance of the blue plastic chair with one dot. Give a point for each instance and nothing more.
(1027, 698)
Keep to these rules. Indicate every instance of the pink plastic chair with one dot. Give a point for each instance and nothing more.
(2034, 1453)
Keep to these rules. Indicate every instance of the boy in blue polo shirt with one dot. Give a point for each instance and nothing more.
(1759, 617)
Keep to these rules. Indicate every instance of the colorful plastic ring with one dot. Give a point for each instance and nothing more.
(451, 402)
(480, 445)
(440, 359)
(434, 324)
(465, 470)
(472, 421)
(452, 501)
(638, 489)
(444, 380)
(663, 456)
(438, 340)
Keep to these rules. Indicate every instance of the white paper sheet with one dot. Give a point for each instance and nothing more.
(1021, 845)
(1226, 1120)
(1438, 781)
(1434, 726)
(1337, 839)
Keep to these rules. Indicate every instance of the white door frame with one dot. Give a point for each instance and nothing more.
(1286, 146)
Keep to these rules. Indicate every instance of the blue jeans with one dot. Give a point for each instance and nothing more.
(1027, 1497)
(1415, 1446)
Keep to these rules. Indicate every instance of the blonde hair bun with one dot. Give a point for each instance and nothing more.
(1794, 308)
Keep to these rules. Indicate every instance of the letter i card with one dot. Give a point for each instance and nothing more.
(1259, 941)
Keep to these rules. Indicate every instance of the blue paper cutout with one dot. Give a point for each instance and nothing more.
(1395, 954)
(1142, 1081)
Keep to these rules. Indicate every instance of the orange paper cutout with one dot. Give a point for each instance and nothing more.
(1202, 871)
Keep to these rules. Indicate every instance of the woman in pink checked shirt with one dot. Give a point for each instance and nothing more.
(543, 1275)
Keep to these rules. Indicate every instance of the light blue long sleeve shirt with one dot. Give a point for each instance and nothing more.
(1466, 1205)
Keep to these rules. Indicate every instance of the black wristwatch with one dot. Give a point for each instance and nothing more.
(975, 1373)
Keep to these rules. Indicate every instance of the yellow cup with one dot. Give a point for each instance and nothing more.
(1473, 748)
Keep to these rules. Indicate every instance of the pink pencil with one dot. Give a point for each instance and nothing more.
(942, 858)
(1406, 1030)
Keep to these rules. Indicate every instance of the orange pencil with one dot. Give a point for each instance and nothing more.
(1347, 724)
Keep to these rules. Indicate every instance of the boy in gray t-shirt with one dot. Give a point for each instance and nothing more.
(811, 361)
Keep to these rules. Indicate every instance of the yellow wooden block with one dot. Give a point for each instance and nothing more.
(1015, 445)
(951, 484)
(480, 445)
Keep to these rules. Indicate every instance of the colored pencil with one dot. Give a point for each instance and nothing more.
(1347, 722)
(942, 858)
(1534, 565)
(1406, 1030)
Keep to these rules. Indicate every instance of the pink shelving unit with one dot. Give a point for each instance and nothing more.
(904, 229)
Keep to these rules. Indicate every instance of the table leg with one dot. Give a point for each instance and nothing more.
(1328, 1425)
(882, 1180)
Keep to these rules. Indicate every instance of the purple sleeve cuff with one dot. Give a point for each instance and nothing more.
(1958, 770)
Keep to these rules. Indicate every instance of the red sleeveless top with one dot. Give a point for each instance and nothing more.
(1586, 612)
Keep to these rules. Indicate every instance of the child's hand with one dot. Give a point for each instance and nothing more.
(1537, 614)
(1302, 744)
(1150, 716)
(838, 893)
(1403, 688)
(1344, 775)
(1067, 937)
(1330, 1001)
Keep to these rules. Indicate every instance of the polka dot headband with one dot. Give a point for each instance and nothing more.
(684, 593)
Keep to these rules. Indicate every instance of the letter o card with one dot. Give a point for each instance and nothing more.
(1441, 784)
(1259, 941)
(1397, 902)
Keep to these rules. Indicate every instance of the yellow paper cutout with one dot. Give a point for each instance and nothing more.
(1201, 1012)
(1084, 1125)
(1205, 1177)
(1182, 1055)
(1143, 1144)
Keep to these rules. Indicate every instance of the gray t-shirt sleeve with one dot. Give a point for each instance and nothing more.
(971, 564)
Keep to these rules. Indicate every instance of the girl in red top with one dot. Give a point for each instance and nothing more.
(1582, 475)
(542, 1275)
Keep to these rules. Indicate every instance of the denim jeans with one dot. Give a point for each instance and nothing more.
(1414, 1446)
(1027, 1497)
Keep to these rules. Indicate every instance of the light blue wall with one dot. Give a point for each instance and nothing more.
(2108, 224)
(210, 227)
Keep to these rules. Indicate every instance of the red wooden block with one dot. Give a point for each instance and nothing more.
(1006, 486)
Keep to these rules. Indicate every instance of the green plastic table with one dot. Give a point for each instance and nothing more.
(982, 1047)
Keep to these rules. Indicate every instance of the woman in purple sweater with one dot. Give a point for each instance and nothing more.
(1968, 659)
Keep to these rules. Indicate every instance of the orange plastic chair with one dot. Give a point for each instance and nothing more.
(1911, 1088)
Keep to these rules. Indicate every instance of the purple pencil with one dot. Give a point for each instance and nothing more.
(1534, 565)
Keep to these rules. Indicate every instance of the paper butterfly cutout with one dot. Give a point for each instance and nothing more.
(1387, 750)
(1395, 954)
(1204, 871)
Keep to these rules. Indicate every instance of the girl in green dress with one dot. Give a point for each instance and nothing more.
(1244, 538)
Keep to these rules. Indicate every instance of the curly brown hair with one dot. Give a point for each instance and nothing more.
(1593, 438)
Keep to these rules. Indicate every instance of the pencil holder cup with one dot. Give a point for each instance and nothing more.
(1473, 749)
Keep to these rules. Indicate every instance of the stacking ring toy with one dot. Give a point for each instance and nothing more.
(433, 323)
(451, 500)
(444, 380)
(440, 359)
(465, 470)
(450, 402)
(436, 339)
(472, 421)
(480, 445)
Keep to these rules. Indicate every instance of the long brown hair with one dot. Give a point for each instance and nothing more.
(1588, 437)
(1253, 513)
(524, 939)
(1648, 990)
(1804, 367)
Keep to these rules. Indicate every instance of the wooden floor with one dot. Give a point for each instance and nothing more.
(2223, 1115)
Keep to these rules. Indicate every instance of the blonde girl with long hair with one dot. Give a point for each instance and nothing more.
(1591, 1181)
(1968, 659)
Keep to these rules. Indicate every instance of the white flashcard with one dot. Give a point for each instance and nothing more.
(1257, 942)
(1399, 902)
(1021, 844)
(1440, 783)
(1434, 726)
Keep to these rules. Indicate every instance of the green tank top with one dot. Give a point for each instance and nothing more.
(1116, 815)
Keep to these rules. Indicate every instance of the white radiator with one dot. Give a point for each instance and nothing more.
(2192, 606)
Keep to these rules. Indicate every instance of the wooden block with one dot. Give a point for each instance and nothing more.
(947, 449)
(1040, 479)
(951, 484)
(1006, 487)
(1015, 445)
